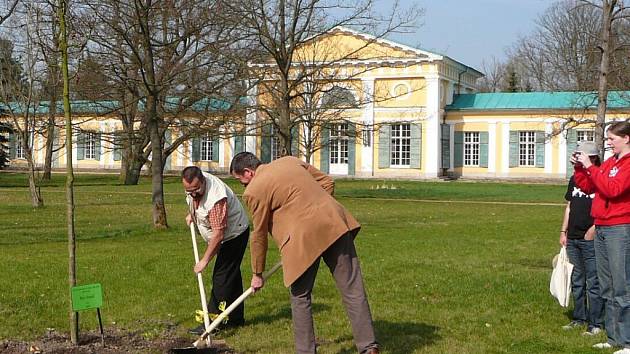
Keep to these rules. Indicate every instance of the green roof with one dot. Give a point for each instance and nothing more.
(109, 106)
(536, 100)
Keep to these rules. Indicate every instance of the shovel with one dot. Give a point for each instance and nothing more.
(203, 343)
(202, 290)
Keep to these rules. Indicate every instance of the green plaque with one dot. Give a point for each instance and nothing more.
(87, 297)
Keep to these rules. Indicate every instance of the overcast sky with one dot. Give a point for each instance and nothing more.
(470, 31)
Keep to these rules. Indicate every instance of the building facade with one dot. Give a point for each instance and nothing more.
(412, 114)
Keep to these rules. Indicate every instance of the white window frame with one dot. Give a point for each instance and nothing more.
(400, 145)
(338, 144)
(585, 134)
(19, 147)
(205, 148)
(471, 149)
(527, 149)
(89, 147)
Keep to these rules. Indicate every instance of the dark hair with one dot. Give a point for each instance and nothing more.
(621, 128)
(190, 173)
(596, 160)
(244, 160)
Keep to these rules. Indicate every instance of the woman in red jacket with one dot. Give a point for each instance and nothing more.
(611, 213)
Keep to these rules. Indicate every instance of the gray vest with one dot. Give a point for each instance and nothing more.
(216, 190)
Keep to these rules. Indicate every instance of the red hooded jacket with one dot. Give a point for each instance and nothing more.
(611, 184)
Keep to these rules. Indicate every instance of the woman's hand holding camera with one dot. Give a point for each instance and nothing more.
(579, 158)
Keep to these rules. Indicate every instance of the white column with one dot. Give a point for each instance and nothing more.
(431, 124)
(102, 128)
(505, 148)
(221, 151)
(250, 120)
(41, 148)
(367, 153)
(548, 149)
(492, 147)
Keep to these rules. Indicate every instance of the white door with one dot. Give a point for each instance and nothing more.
(339, 149)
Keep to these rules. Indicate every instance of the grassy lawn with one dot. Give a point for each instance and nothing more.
(442, 277)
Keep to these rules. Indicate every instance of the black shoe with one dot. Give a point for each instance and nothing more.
(199, 330)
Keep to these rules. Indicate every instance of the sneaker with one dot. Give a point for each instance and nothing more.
(603, 345)
(592, 331)
(573, 324)
(623, 351)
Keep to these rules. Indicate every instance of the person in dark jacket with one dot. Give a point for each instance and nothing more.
(577, 234)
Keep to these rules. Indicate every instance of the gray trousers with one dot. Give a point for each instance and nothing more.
(341, 258)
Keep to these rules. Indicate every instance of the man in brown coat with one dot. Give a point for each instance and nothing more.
(293, 201)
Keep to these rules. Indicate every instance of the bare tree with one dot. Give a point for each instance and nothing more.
(494, 75)
(9, 8)
(19, 94)
(282, 29)
(560, 54)
(612, 12)
(169, 63)
(72, 268)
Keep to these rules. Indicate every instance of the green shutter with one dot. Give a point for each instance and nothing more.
(215, 148)
(167, 143)
(483, 149)
(97, 146)
(352, 142)
(514, 148)
(80, 146)
(416, 145)
(196, 149)
(384, 136)
(459, 149)
(571, 147)
(12, 147)
(117, 147)
(324, 152)
(239, 144)
(540, 149)
(265, 146)
(295, 135)
(446, 145)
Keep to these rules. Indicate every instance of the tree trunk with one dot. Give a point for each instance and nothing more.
(36, 198)
(53, 72)
(608, 7)
(72, 268)
(131, 167)
(157, 178)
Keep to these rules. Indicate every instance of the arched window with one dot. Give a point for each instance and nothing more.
(338, 97)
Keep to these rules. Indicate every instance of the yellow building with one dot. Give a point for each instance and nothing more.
(413, 114)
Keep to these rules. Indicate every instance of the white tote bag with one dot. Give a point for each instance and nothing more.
(560, 284)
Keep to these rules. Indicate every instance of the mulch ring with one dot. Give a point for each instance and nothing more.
(116, 341)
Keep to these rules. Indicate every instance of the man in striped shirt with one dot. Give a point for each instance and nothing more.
(223, 223)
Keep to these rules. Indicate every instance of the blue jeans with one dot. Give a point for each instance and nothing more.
(612, 250)
(589, 305)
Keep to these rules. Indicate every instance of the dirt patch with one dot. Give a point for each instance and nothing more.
(116, 341)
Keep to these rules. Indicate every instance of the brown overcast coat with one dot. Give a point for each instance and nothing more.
(293, 201)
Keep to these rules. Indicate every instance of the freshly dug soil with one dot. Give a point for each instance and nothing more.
(116, 341)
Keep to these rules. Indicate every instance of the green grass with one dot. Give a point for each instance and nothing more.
(442, 277)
